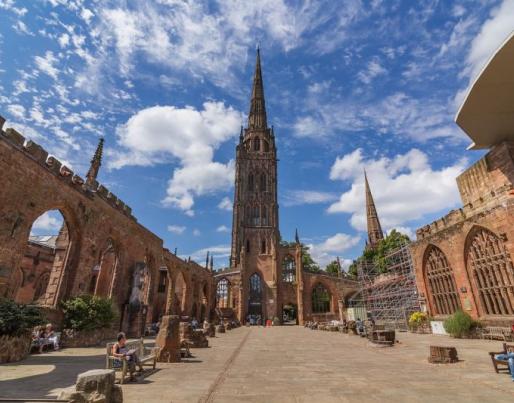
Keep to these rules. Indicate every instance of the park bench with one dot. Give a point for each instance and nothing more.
(507, 348)
(497, 333)
(146, 356)
(46, 343)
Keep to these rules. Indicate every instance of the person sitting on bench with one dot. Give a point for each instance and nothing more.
(509, 357)
(120, 350)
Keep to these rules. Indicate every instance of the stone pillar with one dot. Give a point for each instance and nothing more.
(299, 284)
(168, 339)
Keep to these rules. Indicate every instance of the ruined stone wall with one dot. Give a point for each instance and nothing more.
(488, 188)
(33, 183)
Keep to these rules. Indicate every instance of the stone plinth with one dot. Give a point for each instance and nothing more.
(195, 338)
(94, 386)
(209, 329)
(442, 355)
(168, 339)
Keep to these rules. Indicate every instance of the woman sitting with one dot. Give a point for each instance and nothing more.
(51, 336)
(121, 351)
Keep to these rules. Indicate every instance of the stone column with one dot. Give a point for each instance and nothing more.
(299, 284)
(168, 339)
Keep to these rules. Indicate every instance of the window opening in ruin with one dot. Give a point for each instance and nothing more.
(289, 269)
(255, 295)
(320, 299)
(223, 294)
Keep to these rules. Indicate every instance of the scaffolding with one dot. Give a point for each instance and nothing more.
(389, 293)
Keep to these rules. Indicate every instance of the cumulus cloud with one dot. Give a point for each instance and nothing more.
(404, 187)
(163, 134)
(48, 223)
(176, 229)
(47, 63)
(18, 111)
(223, 228)
(218, 252)
(328, 250)
(225, 204)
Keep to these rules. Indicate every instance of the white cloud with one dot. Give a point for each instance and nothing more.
(325, 252)
(197, 232)
(492, 34)
(225, 204)
(176, 229)
(217, 252)
(48, 223)
(222, 228)
(300, 197)
(21, 28)
(18, 111)
(373, 70)
(404, 188)
(46, 64)
(64, 40)
(165, 133)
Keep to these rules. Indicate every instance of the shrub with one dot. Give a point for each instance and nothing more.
(16, 319)
(459, 324)
(87, 312)
(417, 319)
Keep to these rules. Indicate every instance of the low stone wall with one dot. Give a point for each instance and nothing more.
(14, 348)
(86, 338)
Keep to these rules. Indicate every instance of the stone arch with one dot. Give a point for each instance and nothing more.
(180, 292)
(105, 269)
(288, 269)
(64, 242)
(438, 275)
(321, 298)
(490, 268)
(224, 293)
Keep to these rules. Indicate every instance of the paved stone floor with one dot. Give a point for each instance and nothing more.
(286, 364)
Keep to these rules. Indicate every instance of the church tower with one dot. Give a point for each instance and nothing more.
(375, 233)
(255, 215)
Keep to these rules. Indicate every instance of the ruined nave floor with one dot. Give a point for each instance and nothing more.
(286, 364)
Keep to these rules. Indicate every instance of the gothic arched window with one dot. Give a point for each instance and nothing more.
(255, 216)
(251, 184)
(264, 216)
(320, 299)
(489, 264)
(289, 269)
(441, 283)
(256, 144)
(262, 183)
(223, 293)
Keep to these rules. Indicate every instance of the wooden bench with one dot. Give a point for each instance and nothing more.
(497, 333)
(146, 356)
(507, 348)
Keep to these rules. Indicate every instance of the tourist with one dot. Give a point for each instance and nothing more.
(360, 326)
(509, 357)
(155, 327)
(194, 324)
(38, 338)
(121, 351)
(51, 336)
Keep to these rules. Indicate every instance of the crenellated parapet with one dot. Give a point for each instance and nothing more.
(52, 165)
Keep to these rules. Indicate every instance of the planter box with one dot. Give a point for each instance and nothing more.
(14, 348)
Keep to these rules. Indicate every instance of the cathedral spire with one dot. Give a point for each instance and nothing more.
(257, 116)
(96, 162)
(375, 233)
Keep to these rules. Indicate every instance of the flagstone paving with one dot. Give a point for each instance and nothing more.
(286, 364)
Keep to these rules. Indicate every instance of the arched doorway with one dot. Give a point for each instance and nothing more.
(290, 314)
(440, 282)
(43, 277)
(255, 295)
(489, 265)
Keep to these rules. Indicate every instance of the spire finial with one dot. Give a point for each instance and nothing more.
(296, 237)
(96, 162)
(257, 116)
(375, 233)
(207, 261)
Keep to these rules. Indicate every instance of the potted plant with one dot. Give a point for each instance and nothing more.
(418, 322)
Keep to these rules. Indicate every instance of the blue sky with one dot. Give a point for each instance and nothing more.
(348, 85)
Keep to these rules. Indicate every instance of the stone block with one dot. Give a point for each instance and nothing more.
(168, 339)
(94, 386)
(36, 151)
(14, 137)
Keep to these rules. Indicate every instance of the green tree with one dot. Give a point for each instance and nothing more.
(333, 268)
(87, 312)
(17, 319)
(308, 262)
(352, 270)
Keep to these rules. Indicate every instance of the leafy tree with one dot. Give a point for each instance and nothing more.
(17, 319)
(87, 312)
(333, 268)
(308, 262)
(384, 247)
(352, 270)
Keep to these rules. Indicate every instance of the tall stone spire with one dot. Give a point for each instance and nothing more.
(375, 233)
(257, 116)
(96, 162)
